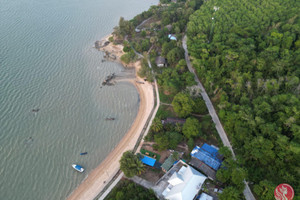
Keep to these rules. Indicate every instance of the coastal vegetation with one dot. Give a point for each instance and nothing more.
(130, 164)
(247, 55)
(128, 190)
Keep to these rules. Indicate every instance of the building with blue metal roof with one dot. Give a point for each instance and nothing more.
(208, 155)
(147, 160)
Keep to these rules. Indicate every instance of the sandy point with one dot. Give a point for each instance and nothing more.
(100, 176)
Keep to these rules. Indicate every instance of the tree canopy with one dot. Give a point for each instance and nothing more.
(247, 55)
(191, 128)
(183, 104)
(130, 164)
(128, 190)
(167, 140)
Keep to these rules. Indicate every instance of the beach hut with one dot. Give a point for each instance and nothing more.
(160, 61)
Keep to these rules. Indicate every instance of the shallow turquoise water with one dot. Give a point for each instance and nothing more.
(47, 62)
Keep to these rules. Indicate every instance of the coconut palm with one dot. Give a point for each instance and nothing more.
(156, 125)
(130, 164)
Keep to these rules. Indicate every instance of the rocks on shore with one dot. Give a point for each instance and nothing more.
(109, 55)
(108, 80)
(101, 44)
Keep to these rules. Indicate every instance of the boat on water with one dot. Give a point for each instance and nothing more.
(110, 118)
(78, 168)
(83, 153)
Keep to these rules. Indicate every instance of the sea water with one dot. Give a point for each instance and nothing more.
(47, 62)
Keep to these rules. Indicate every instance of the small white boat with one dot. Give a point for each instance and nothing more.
(78, 168)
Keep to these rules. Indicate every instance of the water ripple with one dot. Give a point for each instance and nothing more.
(47, 62)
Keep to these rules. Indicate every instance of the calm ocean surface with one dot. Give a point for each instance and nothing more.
(47, 62)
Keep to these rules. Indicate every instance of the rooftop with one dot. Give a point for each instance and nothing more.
(207, 170)
(205, 196)
(160, 60)
(147, 160)
(208, 154)
(184, 184)
(172, 37)
(172, 120)
(168, 163)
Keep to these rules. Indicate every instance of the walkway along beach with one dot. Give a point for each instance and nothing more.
(99, 177)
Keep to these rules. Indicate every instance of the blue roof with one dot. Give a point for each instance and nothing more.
(207, 154)
(210, 149)
(148, 161)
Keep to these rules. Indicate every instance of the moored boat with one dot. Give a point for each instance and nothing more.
(78, 168)
(110, 118)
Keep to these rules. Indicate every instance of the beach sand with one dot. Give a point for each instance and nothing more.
(99, 177)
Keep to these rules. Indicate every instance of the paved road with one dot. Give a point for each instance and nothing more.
(111, 187)
(247, 192)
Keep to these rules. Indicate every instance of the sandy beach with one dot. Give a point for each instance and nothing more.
(100, 176)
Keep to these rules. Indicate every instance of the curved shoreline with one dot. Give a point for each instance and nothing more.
(100, 176)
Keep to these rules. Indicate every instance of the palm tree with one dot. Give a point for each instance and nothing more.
(178, 128)
(156, 125)
(130, 164)
(140, 168)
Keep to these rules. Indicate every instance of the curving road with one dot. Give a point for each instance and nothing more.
(247, 192)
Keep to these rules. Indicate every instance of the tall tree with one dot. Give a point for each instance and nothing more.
(191, 128)
(230, 193)
(183, 104)
(130, 164)
(156, 124)
(126, 189)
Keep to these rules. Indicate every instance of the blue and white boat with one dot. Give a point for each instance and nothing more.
(78, 168)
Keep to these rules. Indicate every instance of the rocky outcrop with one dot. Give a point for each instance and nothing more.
(101, 44)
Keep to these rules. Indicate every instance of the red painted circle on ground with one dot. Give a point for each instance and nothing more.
(284, 192)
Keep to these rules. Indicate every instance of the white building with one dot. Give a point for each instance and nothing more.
(172, 37)
(184, 184)
(205, 197)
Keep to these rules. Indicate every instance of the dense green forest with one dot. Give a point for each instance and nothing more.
(247, 55)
